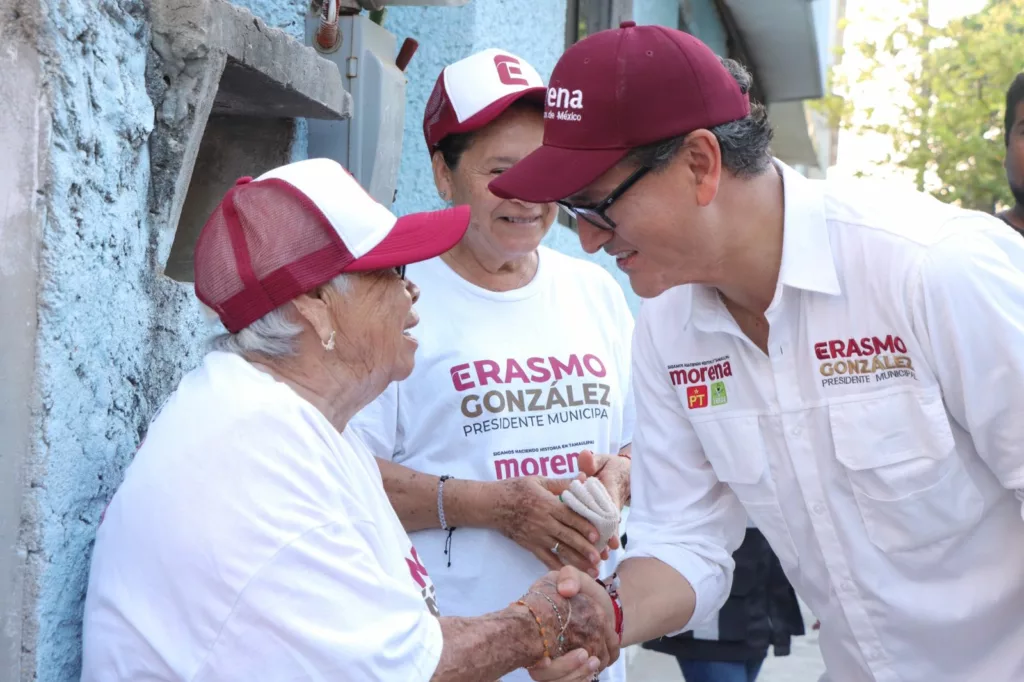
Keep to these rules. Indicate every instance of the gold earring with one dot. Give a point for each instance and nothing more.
(329, 343)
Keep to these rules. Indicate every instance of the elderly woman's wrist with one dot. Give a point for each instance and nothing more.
(528, 640)
(465, 504)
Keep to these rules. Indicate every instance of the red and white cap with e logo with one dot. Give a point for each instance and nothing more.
(474, 91)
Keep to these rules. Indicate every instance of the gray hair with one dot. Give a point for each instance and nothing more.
(745, 143)
(273, 335)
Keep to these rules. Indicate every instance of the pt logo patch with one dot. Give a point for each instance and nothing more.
(697, 396)
(718, 395)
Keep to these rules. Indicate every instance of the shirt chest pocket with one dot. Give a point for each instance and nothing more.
(899, 456)
(735, 448)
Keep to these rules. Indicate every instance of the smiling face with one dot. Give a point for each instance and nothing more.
(370, 315)
(500, 229)
(665, 234)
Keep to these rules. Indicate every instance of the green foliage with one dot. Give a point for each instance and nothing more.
(949, 127)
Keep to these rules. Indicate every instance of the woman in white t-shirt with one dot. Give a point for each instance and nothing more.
(250, 539)
(522, 370)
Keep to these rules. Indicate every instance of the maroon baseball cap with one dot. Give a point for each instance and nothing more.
(614, 91)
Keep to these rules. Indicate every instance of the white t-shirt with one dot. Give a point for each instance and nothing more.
(249, 541)
(506, 384)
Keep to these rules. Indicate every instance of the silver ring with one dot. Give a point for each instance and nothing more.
(554, 550)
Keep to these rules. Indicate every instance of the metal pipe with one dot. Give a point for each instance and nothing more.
(328, 35)
(406, 53)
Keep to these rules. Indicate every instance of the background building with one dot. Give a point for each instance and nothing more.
(102, 106)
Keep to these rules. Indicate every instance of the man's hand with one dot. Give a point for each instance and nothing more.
(612, 470)
(527, 511)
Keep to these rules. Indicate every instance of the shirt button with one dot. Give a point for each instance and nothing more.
(796, 431)
(819, 509)
(847, 586)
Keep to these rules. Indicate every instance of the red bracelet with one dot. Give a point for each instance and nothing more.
(617, 606)
(612, 588)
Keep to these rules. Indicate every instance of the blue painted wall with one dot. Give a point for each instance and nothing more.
(660, 12)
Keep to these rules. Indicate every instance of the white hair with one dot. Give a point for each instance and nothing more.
(273, 335)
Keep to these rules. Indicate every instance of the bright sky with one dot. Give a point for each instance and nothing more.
(870, 19)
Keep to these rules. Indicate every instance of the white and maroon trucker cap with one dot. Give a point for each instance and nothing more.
(297, 227)
(474, 91)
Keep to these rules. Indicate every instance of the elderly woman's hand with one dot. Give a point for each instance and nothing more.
(527, 511)
(585, 620)
(575, 666)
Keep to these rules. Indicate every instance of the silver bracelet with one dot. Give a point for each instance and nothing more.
(440, 503)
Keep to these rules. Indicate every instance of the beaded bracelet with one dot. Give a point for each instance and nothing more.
(560, 640)
(543, 634)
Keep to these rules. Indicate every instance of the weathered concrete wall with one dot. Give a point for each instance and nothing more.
(113, 337)
(24, 129)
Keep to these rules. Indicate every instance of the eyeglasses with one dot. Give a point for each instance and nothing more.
(596, 215)
(399, 270)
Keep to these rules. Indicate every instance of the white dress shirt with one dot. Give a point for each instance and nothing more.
(879, 445)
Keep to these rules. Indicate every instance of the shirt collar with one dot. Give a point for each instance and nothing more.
(807, 259)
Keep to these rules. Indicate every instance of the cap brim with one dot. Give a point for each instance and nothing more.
(416, 237)
(553, 173)
(495, 109)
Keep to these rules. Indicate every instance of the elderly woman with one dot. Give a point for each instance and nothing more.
(250, 540)
(522, 371)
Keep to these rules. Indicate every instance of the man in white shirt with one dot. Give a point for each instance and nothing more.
(843, 361)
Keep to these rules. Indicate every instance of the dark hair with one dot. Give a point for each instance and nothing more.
(745, 143)
(1014, 96)
(453, 146)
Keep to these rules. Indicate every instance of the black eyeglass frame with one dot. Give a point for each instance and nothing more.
(596, 214)
(400, 271)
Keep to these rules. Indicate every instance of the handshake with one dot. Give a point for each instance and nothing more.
(574, 622)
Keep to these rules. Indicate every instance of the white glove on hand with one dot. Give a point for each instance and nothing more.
(591, 500)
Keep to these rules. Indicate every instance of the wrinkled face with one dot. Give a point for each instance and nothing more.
(1014, 162)
(663, 235)
(373, 318)
(503, 228)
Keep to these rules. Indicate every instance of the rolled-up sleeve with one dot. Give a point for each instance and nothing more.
(681, 513)
(968, 305)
